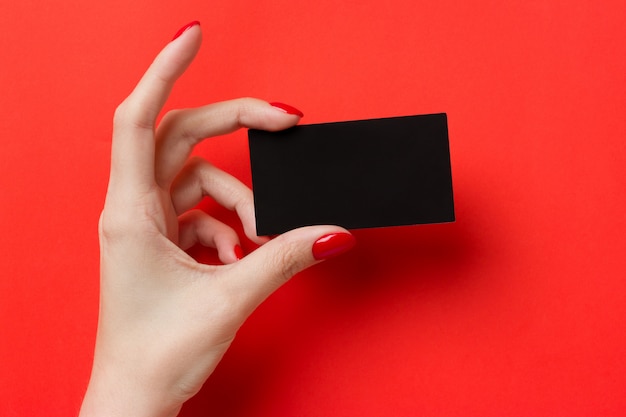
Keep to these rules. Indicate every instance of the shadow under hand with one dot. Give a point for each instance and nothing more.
(389, 268)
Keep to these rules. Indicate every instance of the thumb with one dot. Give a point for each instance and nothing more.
(263, 271)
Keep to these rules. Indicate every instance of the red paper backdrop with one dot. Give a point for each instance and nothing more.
(518, 308)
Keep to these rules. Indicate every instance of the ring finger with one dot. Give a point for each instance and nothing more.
(199, 179)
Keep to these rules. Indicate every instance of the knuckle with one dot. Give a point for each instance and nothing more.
(121, 114)
(198, 164)
(174, 125)
(171, 118)
(130, 114)
(121, 225)
(101, 224)
(109, 228)
(286, 263)
(125, 113)
(203, 173)
(112, 227)
(244, 205)
(244, 107)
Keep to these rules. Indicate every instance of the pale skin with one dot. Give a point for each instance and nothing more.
(166, 320)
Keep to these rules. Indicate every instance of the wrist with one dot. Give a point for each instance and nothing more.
(112, 393)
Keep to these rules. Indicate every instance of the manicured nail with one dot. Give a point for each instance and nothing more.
(185, 28)
(287, 109)
(332, 245)
(239, 252)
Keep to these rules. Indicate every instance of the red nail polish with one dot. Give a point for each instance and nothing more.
(185, 28)
(239, 252)
(287, 109)
(332, 245)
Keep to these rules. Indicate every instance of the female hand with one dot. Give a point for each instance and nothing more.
(166, 320)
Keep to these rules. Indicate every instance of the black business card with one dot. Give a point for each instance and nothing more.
(356, 174)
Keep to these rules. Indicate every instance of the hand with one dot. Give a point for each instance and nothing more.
(165, 319)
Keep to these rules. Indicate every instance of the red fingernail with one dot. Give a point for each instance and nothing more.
(185, 28)
(332, 245)
(287, 109)
(239, 252)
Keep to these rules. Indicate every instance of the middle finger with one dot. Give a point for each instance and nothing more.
(181, 130)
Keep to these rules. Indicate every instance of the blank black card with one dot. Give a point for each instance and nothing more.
(357, 174)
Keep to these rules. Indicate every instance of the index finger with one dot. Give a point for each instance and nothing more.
(133, 149)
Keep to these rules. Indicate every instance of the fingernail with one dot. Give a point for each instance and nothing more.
(332, 245)
(185, 28)
(287, 109)
(239, 252)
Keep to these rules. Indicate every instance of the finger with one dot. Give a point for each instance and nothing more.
(199, 179)
(198, 227)
(181, 130)
(133, 146)
(263, 271)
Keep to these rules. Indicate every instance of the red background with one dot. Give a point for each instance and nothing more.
(518, 308)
